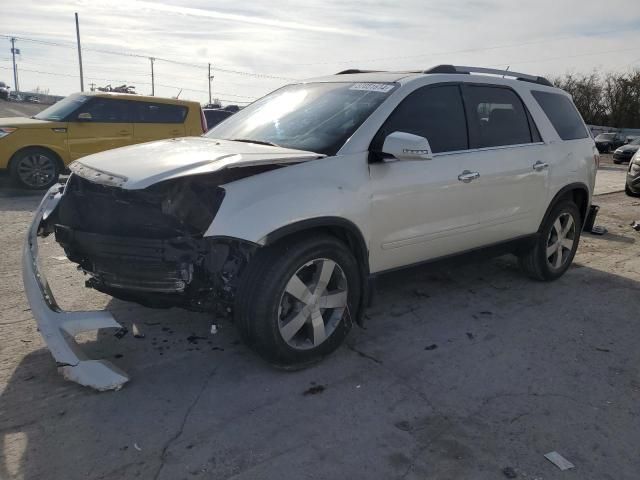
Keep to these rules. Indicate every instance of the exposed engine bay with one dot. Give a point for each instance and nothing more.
(148, 245)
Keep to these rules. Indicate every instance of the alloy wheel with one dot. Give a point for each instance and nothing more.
(36, 170)
(561, 240)
(312, 304)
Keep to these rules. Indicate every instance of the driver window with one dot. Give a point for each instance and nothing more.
(435, 113)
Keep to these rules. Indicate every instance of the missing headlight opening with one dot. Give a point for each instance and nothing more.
(148, 246)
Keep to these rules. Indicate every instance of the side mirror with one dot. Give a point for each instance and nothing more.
(84, 117)
(406, 146)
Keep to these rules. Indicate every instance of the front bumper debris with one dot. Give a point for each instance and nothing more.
(59, 327)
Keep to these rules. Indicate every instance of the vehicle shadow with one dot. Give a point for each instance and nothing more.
(460, 368)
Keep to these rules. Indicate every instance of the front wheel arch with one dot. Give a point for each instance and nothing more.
(341, 228)
(54, 155)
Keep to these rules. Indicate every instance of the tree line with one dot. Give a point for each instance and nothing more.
(611, 99)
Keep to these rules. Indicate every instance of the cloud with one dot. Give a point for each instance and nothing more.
(305, 39)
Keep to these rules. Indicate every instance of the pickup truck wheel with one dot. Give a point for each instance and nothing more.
(556, 245)
(34, 168)
(630, 192)
(299, 297)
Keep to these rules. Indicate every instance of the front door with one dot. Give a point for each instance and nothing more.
(100, 124)
(420, 209)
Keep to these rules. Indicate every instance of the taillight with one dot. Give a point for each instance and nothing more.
(203, 121)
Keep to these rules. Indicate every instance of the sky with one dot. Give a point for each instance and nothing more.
(255, 47)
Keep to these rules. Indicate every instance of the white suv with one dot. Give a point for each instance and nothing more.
(281, 215)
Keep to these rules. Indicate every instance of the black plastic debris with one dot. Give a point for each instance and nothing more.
(433, 346)
(509, 472)
(635, 225)
(121, 332)
(193, 339)
(315, 390)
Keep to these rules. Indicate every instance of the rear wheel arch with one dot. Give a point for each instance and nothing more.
(578, 193)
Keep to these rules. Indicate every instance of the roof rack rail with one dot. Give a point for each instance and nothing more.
(357, 70)
(491, 71)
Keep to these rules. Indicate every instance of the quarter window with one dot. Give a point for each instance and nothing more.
(159, 113)
(435, 113)
(496, 117)
(562, 114)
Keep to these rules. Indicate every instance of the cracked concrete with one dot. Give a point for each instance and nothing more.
(545, 367)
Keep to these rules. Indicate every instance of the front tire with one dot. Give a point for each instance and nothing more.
(556, 245)
(298, 299)
(34, 168)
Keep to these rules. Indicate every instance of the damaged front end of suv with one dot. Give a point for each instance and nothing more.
(143, 240)
(148, 246)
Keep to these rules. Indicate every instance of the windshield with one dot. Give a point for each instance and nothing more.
(635, 141)
(606, 136)
(62, 109)
(319, 117)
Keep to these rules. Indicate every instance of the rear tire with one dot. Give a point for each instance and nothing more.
(281, 307)
(556, 245)
(34, 168)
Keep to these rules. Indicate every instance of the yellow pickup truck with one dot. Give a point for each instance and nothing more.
(35, 150)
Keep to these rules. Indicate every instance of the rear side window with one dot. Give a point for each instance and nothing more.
(159, 113)
(106, 110)
(496, 116)
(562, 114)
(435, 113)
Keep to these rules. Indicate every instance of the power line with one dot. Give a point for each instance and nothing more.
(139, 83)
(137, 55)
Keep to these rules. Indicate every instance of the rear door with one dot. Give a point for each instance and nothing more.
(106, 124)
(156, 121)
(509, 162)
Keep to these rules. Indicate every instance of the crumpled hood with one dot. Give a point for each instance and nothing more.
(139, 166)
(24, 122)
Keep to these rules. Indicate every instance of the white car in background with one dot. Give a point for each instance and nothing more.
(280, 216)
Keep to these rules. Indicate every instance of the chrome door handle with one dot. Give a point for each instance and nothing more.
(468, 176)
(538, 166)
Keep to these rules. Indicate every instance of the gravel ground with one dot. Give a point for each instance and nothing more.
(463, 369)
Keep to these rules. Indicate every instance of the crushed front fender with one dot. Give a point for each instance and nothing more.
(58, 327)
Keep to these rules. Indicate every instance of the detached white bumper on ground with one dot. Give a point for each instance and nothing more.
(58, 327)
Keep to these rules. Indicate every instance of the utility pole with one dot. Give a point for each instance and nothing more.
(15, 71)
(79, 54)
(153, 86)
(210, 77)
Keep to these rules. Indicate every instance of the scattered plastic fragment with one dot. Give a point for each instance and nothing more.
(605, 350)
(509, 472)
(559, 461)
(635, 225)
(135, 445)
(136, 331)
(214, 329)
(431, 347)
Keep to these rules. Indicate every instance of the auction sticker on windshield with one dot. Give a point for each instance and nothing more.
(372, 87)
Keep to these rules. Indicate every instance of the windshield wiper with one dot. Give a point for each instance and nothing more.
(259, 142)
